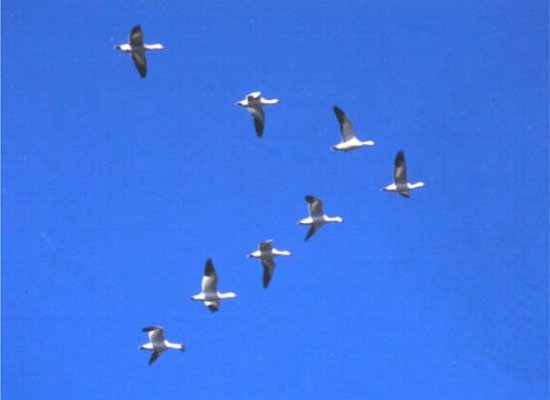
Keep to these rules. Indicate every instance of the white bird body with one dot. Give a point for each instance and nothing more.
(349, 139)
(128, 48)
(213, 296)
(137, 49)
(266, 253)
(352, 144)
(255, 99)
(403, 187)
(271, 254)
(323, 219)
(317, 218)
(400, 183)
(209, 293)
(157, 344)
(254, 102)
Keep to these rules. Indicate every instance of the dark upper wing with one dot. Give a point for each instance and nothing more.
(315, 206)
(259, 119)
(311, 232)
(136, 36)
(150, 328)
(253, 96)
(209, 279)
(156, 334)
(140, 61)
(400, 168)
(153, 357)
(269, 268)
(266, 245)
(346, 128)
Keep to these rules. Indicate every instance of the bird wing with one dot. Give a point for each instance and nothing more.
(209, 279)
(346, 127)
(311, 232)
(136, 36)
(269, 269)
(400, 168)
(140, 61)
(266, 245)
(258, 115)
(153, 357)
(315, 206)
(156, 333)
(253, 96)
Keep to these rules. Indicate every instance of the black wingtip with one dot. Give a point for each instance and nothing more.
(153, 358)
(209, 268)
(310, 233)
(258, 127)
(339, 114)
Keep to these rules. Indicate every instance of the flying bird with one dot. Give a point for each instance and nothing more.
(266, 252)
(157, 344)
(137, 48)
(254, 102)
(349, 139)
(400, 183)
(209, 293)
(317, 218)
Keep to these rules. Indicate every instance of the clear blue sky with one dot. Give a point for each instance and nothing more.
(116, 189)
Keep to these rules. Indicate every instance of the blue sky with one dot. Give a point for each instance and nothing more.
(116, 189)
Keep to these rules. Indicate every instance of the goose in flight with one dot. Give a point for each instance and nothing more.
(137, 49)
(266, 252)
(317, 217)
(254, 102)
(400, 183)
(209, 293)
(157, 344)
(349, 139)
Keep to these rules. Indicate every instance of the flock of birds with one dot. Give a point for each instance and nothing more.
(254, 102)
